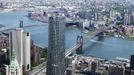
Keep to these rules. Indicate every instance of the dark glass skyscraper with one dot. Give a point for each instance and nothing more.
(56, 46)
(132, 62)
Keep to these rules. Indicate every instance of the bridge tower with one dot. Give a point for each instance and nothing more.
(80, 42)
(21, 24)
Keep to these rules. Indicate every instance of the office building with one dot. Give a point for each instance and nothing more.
(20, 42)
(16, 44)
(56, 46)
(26, 51)
(13, 68)
(126, 19)
(93, 67)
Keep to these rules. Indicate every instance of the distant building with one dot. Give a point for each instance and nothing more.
(116, 70)
(4, 41)
(13, 68)
(95, 16)
(71, 69)
(132, 62)
(35, 55)
(94, 66)
(20, 42)
(127, 18)
(3, 59)
(56, 45)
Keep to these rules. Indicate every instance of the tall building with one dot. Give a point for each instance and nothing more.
(26, 51)
(93, 67)
(132, 62)
(16, 44)
(116, 70)
(13, 68)
(126, 19)
(56, 46)
(20, 43)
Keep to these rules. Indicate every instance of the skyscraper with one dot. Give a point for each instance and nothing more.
(16, 44)
(56, 46)
(26, 51)
(20, 43)
(126, 19)
(93, 67)
(14, 68)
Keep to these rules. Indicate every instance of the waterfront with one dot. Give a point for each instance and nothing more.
(109, 47)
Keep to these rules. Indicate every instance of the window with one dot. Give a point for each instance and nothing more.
(28, 66)
(12, 73)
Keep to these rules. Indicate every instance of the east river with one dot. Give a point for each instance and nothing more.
(108, 48)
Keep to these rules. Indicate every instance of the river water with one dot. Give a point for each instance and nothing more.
(108, 48)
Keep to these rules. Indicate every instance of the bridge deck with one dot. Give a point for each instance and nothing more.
(71, 50)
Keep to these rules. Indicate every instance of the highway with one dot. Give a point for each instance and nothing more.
(38, 69)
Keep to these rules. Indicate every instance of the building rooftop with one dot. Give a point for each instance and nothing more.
(14, 63)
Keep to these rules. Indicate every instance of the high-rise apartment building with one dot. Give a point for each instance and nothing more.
(56, 46)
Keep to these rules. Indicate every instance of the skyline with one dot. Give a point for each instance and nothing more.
(64, 37)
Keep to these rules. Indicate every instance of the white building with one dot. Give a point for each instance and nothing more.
(26, 51)
(14, 68)
(126, 19)
(16, 43)
(20, 42)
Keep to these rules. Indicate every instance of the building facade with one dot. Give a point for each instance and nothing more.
(116, 70)
(132, 62)
(127, 19)
(26, 51)
(20, 42)
(56, 46)
(16, 44)
(13, 68)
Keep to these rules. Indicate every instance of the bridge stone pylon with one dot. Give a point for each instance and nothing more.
(79, 42)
